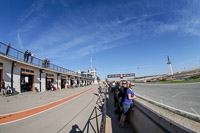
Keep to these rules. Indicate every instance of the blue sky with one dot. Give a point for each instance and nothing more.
(120, 35)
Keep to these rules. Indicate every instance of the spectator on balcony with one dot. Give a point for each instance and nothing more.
(32, 56)
(25, 55)
(8, 48)
(29, 54)
(48, 63)
(45, 62)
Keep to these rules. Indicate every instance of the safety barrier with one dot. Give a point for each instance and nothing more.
(177, 111)
(143, 119)
(103, 120)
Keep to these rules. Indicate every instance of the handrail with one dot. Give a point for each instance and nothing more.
(19, 55)
(103, 120)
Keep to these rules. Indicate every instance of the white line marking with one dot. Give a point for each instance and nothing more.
(147, 84)
(169, 107)
(177, 95)
(194, 111)
(42, 111)
(41, 105)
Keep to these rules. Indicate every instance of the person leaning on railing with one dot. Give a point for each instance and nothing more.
(32, 56)
(129, 96)
(25, 55)
(8, 48)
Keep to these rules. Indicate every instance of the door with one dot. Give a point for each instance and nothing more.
(1, 77)
(26, 83)
(63, 82)
(49, 81)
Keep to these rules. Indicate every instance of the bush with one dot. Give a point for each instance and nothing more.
(195, 77)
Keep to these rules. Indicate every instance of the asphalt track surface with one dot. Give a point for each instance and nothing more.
(181, 96)
(80, 112)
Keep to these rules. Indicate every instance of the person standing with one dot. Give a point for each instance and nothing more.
(29, 54)
(25, 55)
(8, 48)
(3, 87)
(32, 56)
(129, 96)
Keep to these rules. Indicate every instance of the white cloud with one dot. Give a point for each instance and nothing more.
(68, 35)
(36, 6)
(19, 39)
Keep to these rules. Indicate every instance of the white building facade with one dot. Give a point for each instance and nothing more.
(93, 72)
(35, 74)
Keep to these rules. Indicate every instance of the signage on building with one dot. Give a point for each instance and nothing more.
(121, 75)
(26, 79)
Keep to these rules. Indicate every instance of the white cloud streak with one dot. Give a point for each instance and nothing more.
(36, 6)
(69, 41)
(19, 39)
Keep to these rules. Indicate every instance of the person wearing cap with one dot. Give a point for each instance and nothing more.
(129, 96)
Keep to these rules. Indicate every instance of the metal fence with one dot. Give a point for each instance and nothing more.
(103, 120)
(16, 54)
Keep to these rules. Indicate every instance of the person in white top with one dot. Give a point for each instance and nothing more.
(32, 56)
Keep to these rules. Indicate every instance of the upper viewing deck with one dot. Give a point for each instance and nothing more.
(19, 55)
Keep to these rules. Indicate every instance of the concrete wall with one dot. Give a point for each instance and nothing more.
(6, 71)
(7, 64)
(43, 82)
(17, 74)
(145, 120)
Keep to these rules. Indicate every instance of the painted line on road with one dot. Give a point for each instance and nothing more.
(13, 117)
(177, 95)
(194, 111)
(178, 111)
(147, 84)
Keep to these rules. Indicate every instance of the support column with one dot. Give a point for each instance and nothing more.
(59, 81)
(75, 81)
(69, 81)
(12, 69)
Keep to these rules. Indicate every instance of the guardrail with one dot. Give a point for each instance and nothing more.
(103, 120)
(19, 55)
(178, 111)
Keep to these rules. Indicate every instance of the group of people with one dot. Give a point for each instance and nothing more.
(53, 88)
(46, 63)
(27, 55)
(123, 98)
(6, 90)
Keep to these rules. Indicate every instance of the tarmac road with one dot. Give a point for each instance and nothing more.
(80, 114)
(181, 96)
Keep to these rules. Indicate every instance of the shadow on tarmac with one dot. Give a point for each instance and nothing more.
(90, 125)
(75, 128)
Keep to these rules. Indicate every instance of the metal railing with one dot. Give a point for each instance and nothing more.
(16, 54)
(103, 120)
